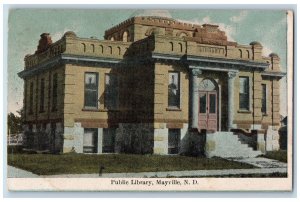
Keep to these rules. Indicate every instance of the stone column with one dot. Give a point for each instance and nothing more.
(230, 104)
(194, 96)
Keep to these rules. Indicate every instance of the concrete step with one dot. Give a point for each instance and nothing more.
(228, 145)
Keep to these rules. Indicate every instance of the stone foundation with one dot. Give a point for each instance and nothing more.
(148, 138)
(272, 139)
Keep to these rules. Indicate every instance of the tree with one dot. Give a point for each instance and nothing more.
(14, 122)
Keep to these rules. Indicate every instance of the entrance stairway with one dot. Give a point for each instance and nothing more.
(227, 145)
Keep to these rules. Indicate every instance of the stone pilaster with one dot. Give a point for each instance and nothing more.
(194, 96)
(257, 100)
(230, 105)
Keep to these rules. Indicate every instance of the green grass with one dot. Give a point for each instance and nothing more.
(280, 155)
(48, 164)
(258, 175)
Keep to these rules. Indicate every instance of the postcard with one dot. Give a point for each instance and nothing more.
(149, 100)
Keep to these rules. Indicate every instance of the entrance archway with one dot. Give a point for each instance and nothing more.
(208, 105)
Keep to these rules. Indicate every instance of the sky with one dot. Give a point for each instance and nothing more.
(243, 26)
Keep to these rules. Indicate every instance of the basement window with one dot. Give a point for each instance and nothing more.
(173, 141)
(90, 140)
(108, 143)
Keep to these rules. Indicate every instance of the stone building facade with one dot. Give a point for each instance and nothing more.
(153, 85)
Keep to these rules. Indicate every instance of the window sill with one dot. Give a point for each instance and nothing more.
(109, 110)
(173, 109)
(91, 109)
(265, 114)
(244, 111)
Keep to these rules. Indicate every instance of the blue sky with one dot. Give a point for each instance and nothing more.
(25, 26)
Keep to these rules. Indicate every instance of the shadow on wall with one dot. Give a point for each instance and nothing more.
(134, 138)
(43, 139)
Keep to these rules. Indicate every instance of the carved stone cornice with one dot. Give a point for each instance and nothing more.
(196, 72)
(231, 74)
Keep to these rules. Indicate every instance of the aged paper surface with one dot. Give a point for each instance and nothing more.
(150, 100)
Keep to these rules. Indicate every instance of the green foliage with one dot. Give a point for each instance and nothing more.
(280, 155)
(14, 122)
(49, 164)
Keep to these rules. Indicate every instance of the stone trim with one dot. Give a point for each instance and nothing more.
(237, 64)
(273, 74)
(174, 125)
(67, 58)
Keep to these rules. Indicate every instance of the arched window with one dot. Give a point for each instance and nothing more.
(125, 36)
(182, 35)
(112, 38)
(180, 47)
(93, 47)
(241, 53)
(248, 54)
(119, 50)
(110, 49)
(101, 49)
(84, 47)
(208, 85)
(172, 46)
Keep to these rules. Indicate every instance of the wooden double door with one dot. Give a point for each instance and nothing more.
(208, 110)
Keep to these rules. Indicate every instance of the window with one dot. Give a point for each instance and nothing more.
(171, 46)
(212, 103)
(174, 141)
(180, 47)
(101, 48)
(264, 99)
(174, 90)
(248, 54)
(90, 140)
(203, 101)
(241, 53)
(108, 143)
(111, 91)
(54, 92)
(125, 36)
(31, 98)
(91, 90)
(244, 93)
(182, 34)
(42, 95)
(84, 47)
(110, 49)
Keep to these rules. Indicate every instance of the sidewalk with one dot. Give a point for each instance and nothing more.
(266, 166)
(13, 172)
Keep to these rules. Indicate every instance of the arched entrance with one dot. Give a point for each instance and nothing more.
(208, 105)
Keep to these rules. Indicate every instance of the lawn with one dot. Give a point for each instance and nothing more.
(280, 155)
(48, 164)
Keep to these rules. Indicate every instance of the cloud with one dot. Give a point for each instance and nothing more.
(268, 40)
(228, 29)
(160, 13)
(57, 35)
(266, 50)
(242, 15)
